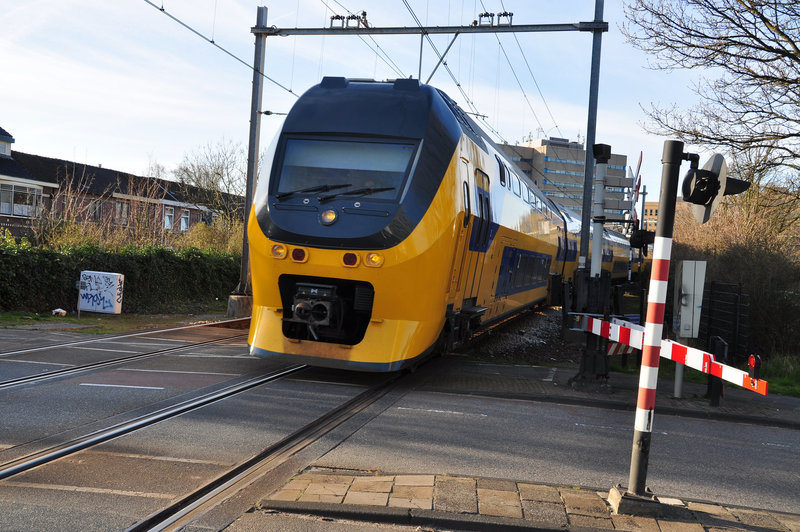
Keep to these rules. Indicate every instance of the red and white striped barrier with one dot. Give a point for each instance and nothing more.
(616, 348)
(632, 335)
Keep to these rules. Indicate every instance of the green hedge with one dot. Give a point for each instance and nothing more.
(157, 279)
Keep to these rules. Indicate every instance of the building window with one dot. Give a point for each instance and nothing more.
(169, 217)
(95, 212)
(121, 212)
(17, 200)
(185, 220)
(6, 195)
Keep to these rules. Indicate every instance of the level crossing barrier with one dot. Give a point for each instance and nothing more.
(632, 335)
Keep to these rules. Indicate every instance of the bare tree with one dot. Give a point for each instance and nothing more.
(215, 176)
(69, 207)
(138, 217)
(750, 52)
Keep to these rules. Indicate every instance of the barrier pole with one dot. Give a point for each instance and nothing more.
(657, 296)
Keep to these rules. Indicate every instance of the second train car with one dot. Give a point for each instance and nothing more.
(387, 224)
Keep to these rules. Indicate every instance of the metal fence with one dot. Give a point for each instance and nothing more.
(726, 313)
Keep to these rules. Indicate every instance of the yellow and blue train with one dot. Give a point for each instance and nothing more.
(389, 225)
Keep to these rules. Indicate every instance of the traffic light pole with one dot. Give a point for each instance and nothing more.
(591, 128)
(651, 351)
(602, 154)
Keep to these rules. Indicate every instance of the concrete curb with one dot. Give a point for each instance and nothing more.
(406, 516)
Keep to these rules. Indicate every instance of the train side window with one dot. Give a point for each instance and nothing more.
(502, 168)
(479, 218)
(488, 213)
(467, 205)
(517, 189)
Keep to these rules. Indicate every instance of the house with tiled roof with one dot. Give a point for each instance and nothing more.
(93, 194)
(112, 196)
(22, 195)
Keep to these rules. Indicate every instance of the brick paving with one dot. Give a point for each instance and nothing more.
(473, 497)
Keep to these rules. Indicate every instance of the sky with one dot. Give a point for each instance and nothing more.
(122, 85)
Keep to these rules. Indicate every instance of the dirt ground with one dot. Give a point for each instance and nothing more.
(534, 338)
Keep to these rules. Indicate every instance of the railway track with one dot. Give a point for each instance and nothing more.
(106, 363)
(195, 504)
(55, 452)
(115, 361)
(238, 323)
(46, 460)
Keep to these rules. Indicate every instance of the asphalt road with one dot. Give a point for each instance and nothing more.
(428, 432)
(421, 431)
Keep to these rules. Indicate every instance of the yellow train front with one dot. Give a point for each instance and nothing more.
(390, 225)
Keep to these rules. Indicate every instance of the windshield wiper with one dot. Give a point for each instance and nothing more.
(355, 192)
(318, 188)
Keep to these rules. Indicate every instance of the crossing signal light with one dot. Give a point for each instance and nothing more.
(705, 187)
(641, 238)
(754, 366)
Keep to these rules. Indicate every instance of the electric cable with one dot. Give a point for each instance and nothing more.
(384, 57)
(211, 41)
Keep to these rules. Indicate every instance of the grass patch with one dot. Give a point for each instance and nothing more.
(94, 323)
(782, 372)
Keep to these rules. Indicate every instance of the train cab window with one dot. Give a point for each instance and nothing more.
(317, 164)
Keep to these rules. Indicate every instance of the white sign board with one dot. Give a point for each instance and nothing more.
(690, 276)
(101, 292)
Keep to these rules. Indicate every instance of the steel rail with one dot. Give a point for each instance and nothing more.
(190, 507)
(130, 335)
(44, 456)
(105, 363)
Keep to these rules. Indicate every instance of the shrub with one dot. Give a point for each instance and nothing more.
(750, 249)
(157, 279)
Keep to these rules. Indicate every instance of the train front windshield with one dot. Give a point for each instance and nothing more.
(345, 165)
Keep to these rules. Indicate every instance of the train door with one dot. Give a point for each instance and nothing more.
(480, 238)
(462, 258)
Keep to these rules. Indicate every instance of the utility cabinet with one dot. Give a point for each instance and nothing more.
(100, 292)
(690, 277)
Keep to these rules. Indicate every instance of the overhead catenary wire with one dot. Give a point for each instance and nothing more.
(535, 82)
(469, 102)
(211, 41)
(514, 73)
(380, 53)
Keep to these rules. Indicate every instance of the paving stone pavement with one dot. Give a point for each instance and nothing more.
(443, 501)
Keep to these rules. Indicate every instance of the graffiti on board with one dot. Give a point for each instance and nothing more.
(101, 292)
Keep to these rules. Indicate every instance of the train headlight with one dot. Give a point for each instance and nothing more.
(374, 260)
(279, 251)
(327, 217)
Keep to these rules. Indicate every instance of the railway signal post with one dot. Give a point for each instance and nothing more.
(704, 188)
(240, 302)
